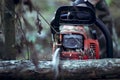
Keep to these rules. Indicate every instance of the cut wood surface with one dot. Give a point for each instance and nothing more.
(68, 70)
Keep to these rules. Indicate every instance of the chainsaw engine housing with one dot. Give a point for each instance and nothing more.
(76, 44)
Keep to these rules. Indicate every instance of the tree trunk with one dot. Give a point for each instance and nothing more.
(9, 28)
(68, 70)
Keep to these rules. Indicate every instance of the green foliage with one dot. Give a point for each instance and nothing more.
(109, 2)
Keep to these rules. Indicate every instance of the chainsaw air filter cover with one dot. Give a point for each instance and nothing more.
(73, 41)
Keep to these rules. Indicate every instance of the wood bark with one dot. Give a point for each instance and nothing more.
(68, 70)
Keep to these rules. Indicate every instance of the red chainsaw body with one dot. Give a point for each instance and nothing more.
(75, 43)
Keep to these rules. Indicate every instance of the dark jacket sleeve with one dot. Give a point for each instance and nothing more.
(104, 14)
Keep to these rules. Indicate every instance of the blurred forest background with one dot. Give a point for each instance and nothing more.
(32, 33)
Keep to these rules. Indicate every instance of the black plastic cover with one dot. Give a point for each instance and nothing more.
(75, 15)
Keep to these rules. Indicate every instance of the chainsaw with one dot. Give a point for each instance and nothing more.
(70, 32)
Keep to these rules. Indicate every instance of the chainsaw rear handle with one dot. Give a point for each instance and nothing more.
(109, 44)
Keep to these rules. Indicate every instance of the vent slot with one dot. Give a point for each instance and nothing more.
(93, 46)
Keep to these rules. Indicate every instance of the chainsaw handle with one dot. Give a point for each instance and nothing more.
(108, 37)
(80, 9)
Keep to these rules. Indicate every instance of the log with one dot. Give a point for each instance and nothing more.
(68, 70)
